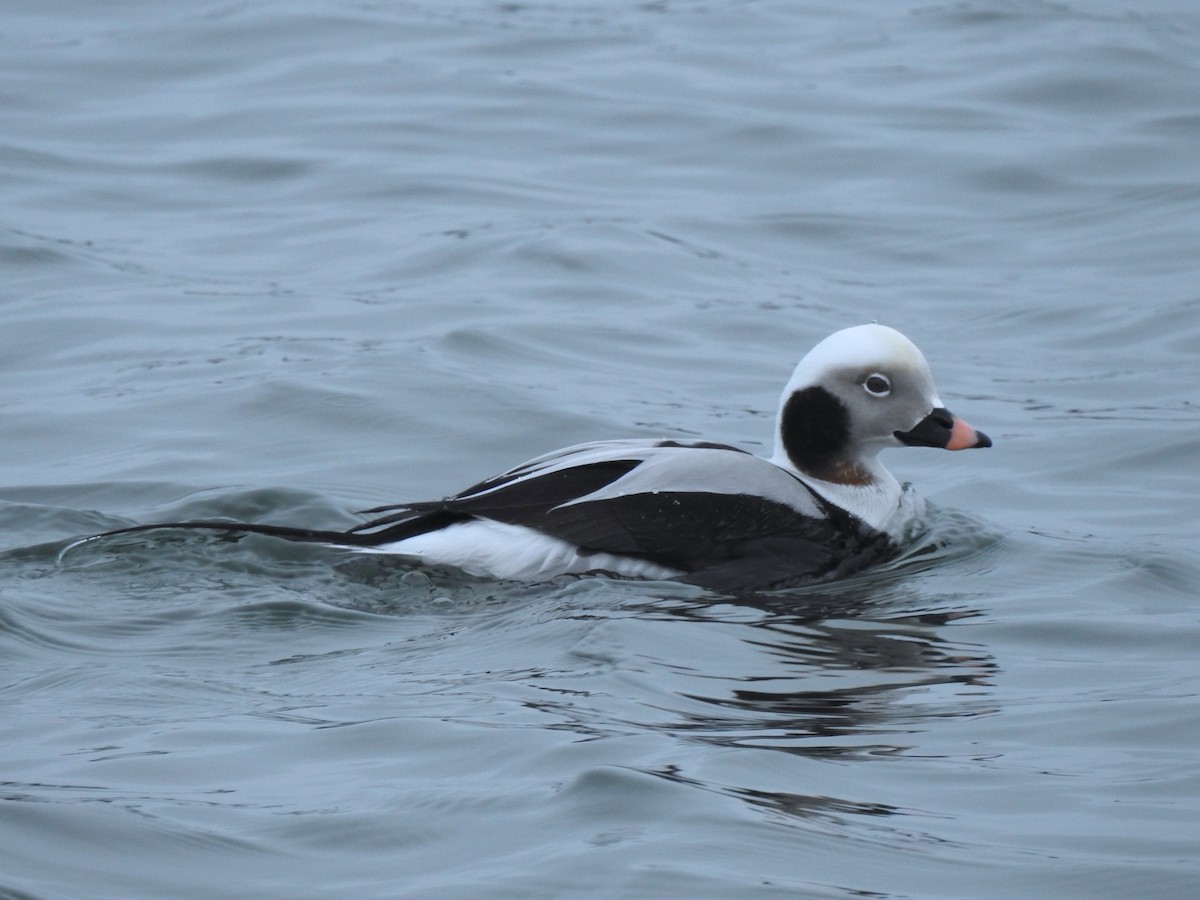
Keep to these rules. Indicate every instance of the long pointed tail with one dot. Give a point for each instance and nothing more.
(400, 527)
(306, 535)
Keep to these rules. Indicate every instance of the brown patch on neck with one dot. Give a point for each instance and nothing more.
(844, 471)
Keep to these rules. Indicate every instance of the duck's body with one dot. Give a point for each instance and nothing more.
(641, 508)
(822, 506)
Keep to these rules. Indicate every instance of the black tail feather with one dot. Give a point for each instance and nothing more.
(403, 525)
(287, 532)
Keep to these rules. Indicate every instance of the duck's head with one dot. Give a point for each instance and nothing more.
(857, 392)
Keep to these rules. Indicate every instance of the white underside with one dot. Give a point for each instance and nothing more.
(496, 550)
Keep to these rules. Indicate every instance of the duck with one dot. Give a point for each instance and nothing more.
(821, 507)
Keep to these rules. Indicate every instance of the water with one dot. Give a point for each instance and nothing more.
(288, 260)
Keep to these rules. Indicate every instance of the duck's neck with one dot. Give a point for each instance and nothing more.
(849, 472)
(860, 486)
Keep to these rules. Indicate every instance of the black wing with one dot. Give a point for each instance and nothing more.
(720, 540)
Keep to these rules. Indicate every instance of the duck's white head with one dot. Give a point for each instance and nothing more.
(857, 392)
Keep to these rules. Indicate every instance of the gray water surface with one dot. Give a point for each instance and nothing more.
(283, 261)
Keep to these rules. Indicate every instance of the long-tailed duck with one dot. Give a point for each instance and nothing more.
(822, 506)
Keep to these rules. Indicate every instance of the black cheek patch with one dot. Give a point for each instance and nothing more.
(815, 427)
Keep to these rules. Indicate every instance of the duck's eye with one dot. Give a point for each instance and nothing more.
(877, 385)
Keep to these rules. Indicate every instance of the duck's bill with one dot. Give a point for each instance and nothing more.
(941, 428)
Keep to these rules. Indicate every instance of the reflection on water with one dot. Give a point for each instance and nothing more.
(818, 678)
